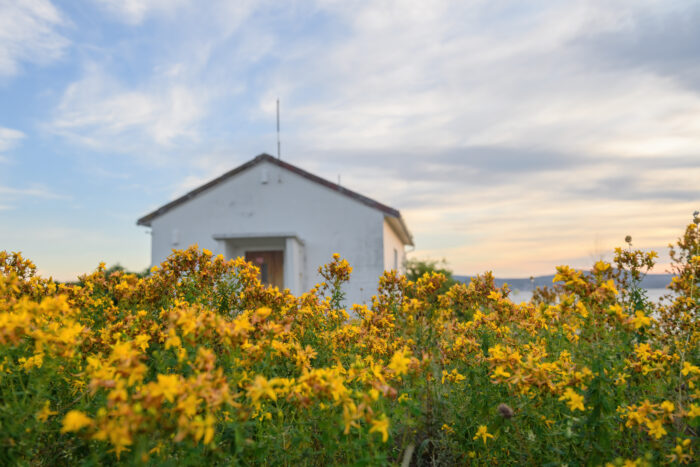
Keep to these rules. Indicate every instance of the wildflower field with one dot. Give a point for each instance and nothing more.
(198, 363)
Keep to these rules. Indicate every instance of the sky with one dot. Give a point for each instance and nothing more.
(512, 136)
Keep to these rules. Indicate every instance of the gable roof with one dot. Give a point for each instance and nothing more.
(392, 215)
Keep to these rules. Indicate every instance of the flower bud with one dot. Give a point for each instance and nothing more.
(505, 411)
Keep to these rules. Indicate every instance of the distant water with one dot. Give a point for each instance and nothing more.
(518, 296)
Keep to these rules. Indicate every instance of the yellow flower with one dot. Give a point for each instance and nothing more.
(142, 341)
(640, 320)
(483, 433)
(337, 388)
(453, 376)
(45, 412)
(189, 405)
(668, 406)
(204, 428)
(350, 414)
(678, 452)
(168, 386)
(241, 325)
(494, 295)
(610, 286)
(381, 425)
(399, 362)
(173, 340)
(694, 411)
(263, 312)
(261, 387)
(581, 308)
(500, 372)
(573, 399)
(118, 434)
(74, 421)
(32, 362)
(656, 429)
(689, 368)
(616, 310)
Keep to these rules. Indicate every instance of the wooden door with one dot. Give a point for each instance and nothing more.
(271, 265)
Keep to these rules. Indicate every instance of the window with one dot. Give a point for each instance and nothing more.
(396, 259)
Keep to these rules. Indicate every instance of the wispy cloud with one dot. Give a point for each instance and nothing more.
(217, 16)
(12, 196)
(29, 32)
(174, 91)
(101, 112)
(9, 138)
(444, 77)
(135, 11)
(33, 191)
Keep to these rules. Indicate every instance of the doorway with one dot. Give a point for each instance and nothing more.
(271, 265)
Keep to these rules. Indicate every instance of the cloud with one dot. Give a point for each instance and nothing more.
(178, 85)
(28, 33)
(102, 113)
(482, 75)
(135, 11)
(218, 16)
(663, 41)
(451, 78)
(9, 138)
(34, 191)
(11, 195)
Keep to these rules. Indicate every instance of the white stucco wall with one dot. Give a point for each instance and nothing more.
(324, 220)
(392, 243)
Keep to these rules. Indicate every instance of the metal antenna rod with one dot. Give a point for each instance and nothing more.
(278, 128)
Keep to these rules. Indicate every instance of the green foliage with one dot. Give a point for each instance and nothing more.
(118, 268)
(416, 268)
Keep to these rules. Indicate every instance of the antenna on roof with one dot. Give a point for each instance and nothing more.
(278, 128)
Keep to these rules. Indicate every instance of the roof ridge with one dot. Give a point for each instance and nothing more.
(146, 220)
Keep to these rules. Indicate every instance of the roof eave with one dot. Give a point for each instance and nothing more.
(146, 220)
(399, 226)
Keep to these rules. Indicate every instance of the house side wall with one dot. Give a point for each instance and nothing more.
(324, 220)
(392, 243)
(294, 266)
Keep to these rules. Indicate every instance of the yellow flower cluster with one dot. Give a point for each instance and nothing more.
(198, 363)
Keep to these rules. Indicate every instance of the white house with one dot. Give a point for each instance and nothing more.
(288, 222)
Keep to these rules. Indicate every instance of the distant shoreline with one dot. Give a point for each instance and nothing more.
(653, 295)
(650, 281)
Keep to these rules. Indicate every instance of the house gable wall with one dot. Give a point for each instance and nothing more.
(394, 251)
(325, 221)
